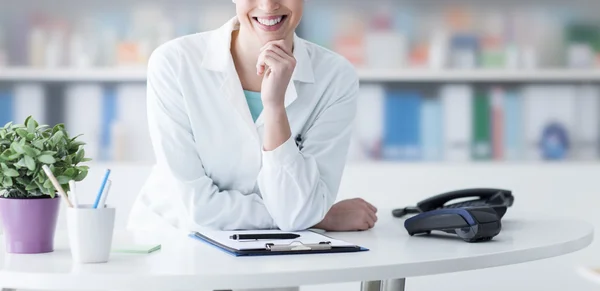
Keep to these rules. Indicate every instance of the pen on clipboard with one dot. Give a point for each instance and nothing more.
(264, 236)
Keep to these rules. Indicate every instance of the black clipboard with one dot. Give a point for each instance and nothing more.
(270, 249)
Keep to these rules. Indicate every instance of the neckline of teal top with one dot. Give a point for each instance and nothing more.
(254, 103)
(251, 94)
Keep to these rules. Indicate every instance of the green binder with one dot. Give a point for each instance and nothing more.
(482, 142)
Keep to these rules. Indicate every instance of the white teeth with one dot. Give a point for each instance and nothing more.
(270, 22)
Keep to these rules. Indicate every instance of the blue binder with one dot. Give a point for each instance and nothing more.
(6, 108)
(402, 125)
(270, 249)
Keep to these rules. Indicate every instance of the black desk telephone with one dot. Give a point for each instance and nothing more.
(498, 199)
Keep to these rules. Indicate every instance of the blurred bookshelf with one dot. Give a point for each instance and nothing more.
(26, 74)
(442, 81)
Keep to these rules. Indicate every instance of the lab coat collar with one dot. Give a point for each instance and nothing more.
(218, 54)
(218, 58)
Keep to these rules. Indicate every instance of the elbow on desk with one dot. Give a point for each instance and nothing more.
(300, 217)
(291, 224)
(285, 218)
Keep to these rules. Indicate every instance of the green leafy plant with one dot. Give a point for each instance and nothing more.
(25, 148)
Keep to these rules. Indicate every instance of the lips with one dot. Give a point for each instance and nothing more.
(270, 23)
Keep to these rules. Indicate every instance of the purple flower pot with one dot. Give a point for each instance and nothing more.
(29, 224)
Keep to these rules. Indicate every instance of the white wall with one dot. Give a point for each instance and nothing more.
(567, 189)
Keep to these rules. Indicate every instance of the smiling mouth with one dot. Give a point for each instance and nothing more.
(270, 23)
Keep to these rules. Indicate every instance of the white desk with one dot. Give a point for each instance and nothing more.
(186, 264)
(590, 273)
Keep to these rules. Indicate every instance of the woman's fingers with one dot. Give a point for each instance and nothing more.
(273, 60)
(373, 216)
(370, 222)
(275, 56)
(279, 43)
(277, 50)
(260, 64)
(364, 225)
(368, 217)
(371, 206)
(289, 61)
(266, 58)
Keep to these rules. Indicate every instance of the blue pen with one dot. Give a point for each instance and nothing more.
(101, 188)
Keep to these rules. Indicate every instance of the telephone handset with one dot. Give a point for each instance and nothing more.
(499, 199)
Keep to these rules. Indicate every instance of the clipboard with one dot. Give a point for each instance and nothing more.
(295, 247)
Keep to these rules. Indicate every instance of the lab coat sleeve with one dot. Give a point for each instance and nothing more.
(180, 165)
(299, 184)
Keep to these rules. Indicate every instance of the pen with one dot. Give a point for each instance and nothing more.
(101, 190)
(56, 184)
(264, 236)
(105, 194)
(73, 193)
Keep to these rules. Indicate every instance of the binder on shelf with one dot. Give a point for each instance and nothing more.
(402, 129)
(309, 242)
(431, 130)
(6, 107)
(29, 99)
(481, 147)
(513, 134)
(457, 103)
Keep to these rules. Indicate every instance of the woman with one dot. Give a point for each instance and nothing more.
(250, 126)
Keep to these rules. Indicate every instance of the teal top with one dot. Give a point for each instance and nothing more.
(254, 103)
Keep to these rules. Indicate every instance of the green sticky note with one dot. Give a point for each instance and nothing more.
(137, 249)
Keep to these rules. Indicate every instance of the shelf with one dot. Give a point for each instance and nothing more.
(591, 163)
(73, 75)
(366, 75)
(481, 75)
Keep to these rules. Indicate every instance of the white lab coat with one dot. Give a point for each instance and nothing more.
(212, 170)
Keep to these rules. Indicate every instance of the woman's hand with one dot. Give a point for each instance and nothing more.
(276, 63)
(349, 215)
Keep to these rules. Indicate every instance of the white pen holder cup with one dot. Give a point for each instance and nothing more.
(90, 233)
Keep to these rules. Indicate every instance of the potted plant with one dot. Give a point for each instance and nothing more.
(29, 204)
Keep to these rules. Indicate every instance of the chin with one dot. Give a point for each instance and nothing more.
(267, 38)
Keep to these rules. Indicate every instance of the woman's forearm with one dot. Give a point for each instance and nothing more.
(277, 126)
